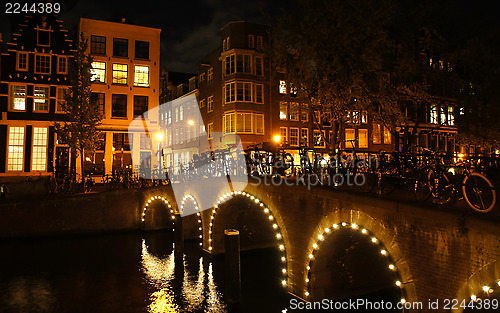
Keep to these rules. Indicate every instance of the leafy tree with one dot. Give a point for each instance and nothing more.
(346, 55)
(82, 116)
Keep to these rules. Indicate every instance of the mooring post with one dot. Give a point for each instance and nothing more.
(179, 239)
(232, 260)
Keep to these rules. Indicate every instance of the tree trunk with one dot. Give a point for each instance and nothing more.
(82, 164)
(334, 141)
(73, 163)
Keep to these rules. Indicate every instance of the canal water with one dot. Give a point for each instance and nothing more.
(133, 272)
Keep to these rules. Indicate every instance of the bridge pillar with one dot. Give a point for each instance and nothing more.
(179, 239)
(232, 259)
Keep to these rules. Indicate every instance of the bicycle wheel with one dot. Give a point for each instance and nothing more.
(288, 162)
(478, 192)
(423, 184)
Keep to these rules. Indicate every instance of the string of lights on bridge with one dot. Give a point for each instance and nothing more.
(156, 198)
(487, 290)
(270, 218)
(198, 215)
(374, 240)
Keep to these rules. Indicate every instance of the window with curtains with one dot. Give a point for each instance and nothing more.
(39, 149)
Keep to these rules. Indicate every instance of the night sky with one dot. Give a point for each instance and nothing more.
(191, 29)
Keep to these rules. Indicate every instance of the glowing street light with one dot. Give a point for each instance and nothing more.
(277, 138)
(190, 122)
(159, 136)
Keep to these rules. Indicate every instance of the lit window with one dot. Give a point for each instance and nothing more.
(244, 123)
(39, 158)
(202, 103)
(259, 124)
(210, 104)
(228, 123)
(377, 134)
(18, 97)
(283, 111)
(61, 100)
(442, 114)
(62, 65)
(98, 45)
(259, 66)
(251, 41)
(433, 115)
(304, 136)
(293, 90)
(119, 105)
(210, 74)
(387, 136)
(364, 117)
(120, 47)
(350, 137)
(41, 99)
(141, 76)
(120, 74)
(451, 116)
(282, 87)
(363, 138)
(16, 149)
(355, 117)
(141, 106)
(22, 61)
(210, 130)
(283, 133)
(98, 72)
(181, 113)
(42, 64)
(294, 136)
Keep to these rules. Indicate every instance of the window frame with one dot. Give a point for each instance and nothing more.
(47, 99)
(93, 46)
(21, 152)
(59, 90)
(38, 30)
(136, 48)
(65, 58)
(50, 63)
(113, 96)
(366, 142)
(136, 84)
(99, 70)
(11, 97)
(118, 42)
(18, 68)
(115, 80)
(33, 150)
(210, 104)
(297, 137)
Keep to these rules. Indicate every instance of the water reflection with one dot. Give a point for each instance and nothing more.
(198, 293)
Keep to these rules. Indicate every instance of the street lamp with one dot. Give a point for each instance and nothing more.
(190, 122)
(277, 138)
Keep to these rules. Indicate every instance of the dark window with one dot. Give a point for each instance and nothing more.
(120, 47)
(119, 106)
(98, 45)
(121, 142)
(140, 106)
(141, 49)
(99, 98)
(43, 38)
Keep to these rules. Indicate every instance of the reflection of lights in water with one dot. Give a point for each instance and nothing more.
(193, 291)
(163, 302)
(26, 294)
(160, 273)
(214, 302)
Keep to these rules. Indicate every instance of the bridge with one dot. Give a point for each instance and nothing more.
(336, 244)
(330, 243)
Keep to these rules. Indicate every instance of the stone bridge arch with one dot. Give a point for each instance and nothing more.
(374, 235)
(214, 239)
